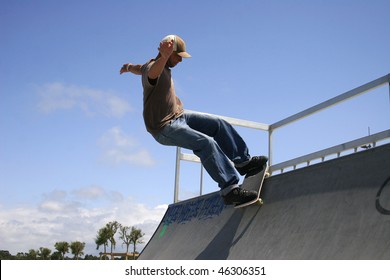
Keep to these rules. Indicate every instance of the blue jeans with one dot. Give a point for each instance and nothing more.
(213, 140)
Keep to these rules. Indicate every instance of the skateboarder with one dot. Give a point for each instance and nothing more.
(212, 139)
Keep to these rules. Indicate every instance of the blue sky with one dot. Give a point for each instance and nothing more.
(74, 153)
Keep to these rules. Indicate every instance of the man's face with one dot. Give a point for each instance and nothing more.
(174, 59)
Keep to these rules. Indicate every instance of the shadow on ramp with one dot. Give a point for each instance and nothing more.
(219, 247)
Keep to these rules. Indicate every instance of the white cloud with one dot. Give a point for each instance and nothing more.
(118, 148)
(73, 217)
(93, 192)
(58, 96)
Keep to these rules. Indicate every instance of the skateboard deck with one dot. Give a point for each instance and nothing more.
(254, 183)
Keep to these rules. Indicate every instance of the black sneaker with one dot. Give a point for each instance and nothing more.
(255, 164)
(239, 196)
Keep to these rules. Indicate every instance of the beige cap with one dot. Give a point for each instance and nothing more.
(179, 46)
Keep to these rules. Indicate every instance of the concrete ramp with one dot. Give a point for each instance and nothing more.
(339, 209)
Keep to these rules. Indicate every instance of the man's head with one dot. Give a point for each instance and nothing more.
(179, 50)
(179, 46)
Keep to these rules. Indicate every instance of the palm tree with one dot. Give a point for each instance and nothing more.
(77, 249)
(62, 248)
(102, 239)
(112, 229)
(125, 235)
(135, 237)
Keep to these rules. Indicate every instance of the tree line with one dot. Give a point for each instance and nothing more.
(128, 235)
(44, 253)
(104, 237)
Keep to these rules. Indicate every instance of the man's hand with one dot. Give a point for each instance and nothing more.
(124, 68)
(166, 49)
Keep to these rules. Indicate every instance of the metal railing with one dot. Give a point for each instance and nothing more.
(307, 159)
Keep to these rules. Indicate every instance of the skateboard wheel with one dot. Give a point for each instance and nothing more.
(260, 201)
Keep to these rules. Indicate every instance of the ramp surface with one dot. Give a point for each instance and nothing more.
(339, 209)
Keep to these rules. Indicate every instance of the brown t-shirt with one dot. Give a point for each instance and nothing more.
(161, 105)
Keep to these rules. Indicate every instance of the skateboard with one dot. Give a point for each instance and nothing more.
(254, 183)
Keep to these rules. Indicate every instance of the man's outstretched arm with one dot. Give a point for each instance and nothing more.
(133, 68)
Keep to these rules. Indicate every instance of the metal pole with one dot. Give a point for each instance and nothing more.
(177, 175)
(270, 160)
(201, 180)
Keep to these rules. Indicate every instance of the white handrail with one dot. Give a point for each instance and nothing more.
(338, 149)
(237, 122)
(333, 101)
